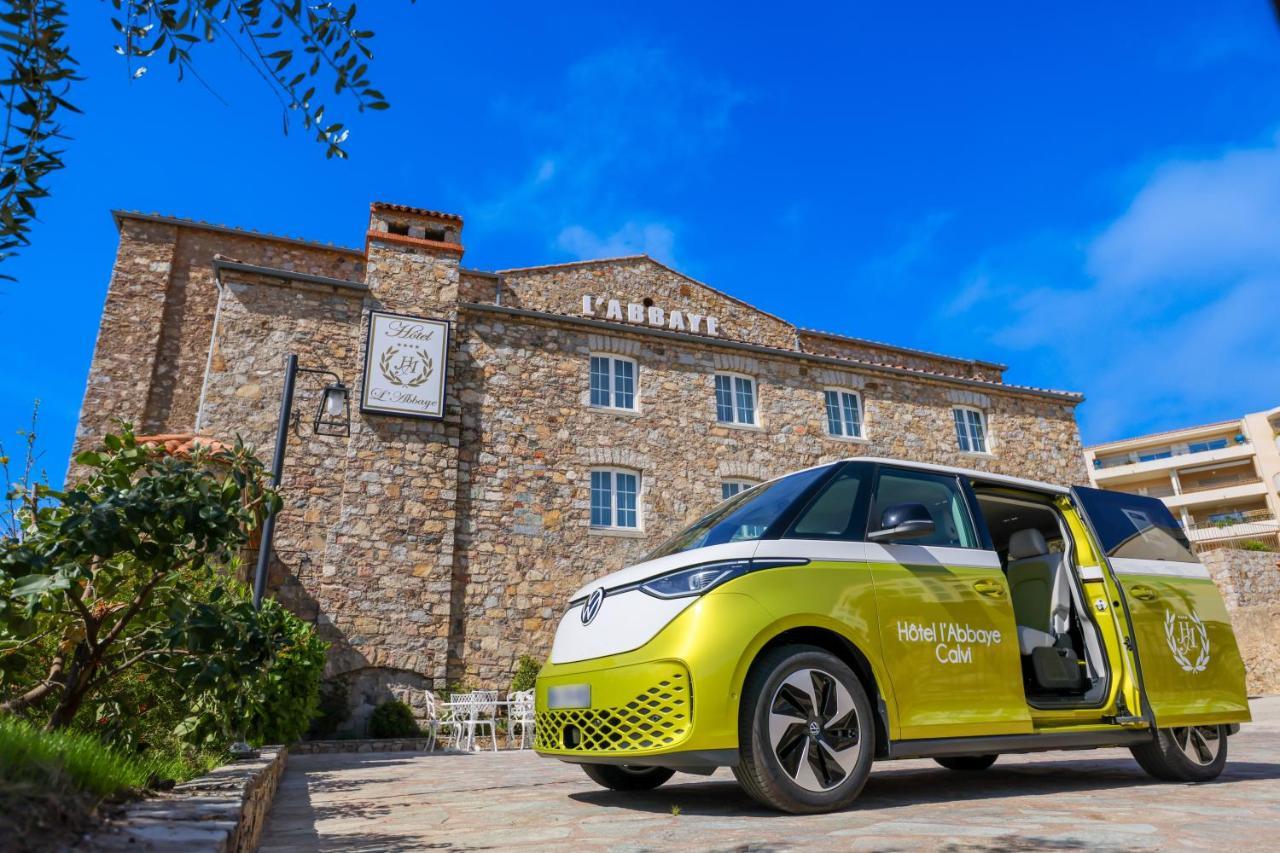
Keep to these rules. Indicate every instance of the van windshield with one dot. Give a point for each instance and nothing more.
(745, 516)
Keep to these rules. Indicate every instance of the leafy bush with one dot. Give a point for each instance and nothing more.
(1255, 545)
(332, 711)
(392, 719)
(274, 703)
(526, 674)
(115, 574)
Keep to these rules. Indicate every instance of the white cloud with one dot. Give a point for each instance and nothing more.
(649, 238)
(625, 119)
(1167, 314)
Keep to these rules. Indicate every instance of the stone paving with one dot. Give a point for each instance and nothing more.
(1054, 801)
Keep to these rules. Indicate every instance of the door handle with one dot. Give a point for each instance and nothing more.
(991, 589)
(1142, 592)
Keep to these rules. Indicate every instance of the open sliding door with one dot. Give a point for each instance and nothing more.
(1186, 653)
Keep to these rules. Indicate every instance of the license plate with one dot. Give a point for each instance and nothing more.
(569, 696)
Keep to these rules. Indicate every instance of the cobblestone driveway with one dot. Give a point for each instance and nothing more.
(1060, 800)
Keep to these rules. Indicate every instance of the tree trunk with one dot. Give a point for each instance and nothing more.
(76, 685)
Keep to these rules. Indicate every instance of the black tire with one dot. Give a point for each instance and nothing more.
(831, 714)
(967, 763)
(1192, 754)
(618, 777)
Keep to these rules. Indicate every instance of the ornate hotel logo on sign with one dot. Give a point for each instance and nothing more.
(404, 366)
(675, 319)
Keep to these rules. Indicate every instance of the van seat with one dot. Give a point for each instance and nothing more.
(1034, 587)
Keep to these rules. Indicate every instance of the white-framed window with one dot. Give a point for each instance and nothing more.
(844, 413)
(735, 399)
(971, 430)
(615, 499)
(729, 488)
(613, 382)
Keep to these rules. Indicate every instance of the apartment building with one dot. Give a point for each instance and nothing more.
(1221, 479)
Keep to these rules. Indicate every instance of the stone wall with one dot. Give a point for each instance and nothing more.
(1250, 585)
(223, 811)
(1245, 578)
(153, 340)
(559, 290)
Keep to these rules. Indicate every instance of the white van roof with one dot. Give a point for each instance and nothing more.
(983, 476)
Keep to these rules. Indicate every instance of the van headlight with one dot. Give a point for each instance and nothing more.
(699, 579)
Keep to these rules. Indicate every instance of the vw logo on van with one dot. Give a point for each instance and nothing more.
(592, 607)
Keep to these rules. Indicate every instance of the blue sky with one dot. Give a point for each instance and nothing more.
(1089, 193)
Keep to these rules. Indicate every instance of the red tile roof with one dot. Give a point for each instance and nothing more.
(182, 443)
(420, 211)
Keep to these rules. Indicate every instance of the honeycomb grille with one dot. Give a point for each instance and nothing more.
(658, 717)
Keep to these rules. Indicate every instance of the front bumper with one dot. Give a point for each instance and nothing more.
(672, 702)
(639, 708)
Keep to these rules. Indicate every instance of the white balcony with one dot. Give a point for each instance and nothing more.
(1217, 494)
(1112, 476)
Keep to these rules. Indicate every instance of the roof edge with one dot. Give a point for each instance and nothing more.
(118, 214)
(1162, 433)
(898, 348)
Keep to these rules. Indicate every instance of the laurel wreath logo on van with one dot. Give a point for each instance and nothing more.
(1187, 635)
(412, 369)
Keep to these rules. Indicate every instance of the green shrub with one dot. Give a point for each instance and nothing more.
(392, 719)
(244, 696)
(332, 711)
(1255, 545)
(526, 674)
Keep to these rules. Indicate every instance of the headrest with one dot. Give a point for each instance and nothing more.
(1027, 543)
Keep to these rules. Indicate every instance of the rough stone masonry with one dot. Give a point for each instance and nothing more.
(431, 552)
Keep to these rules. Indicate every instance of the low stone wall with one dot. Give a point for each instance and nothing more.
(1250, 585)
(221, 812)
(1246, 578)
(405, 744)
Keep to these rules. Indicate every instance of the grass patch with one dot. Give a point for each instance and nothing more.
(53, 782)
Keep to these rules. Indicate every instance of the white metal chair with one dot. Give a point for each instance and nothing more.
(439, 718)
(520, 713)
(469, 714)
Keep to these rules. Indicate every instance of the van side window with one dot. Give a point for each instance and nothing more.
(831, 515)
(938, 493)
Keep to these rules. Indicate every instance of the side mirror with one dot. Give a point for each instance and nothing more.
(903, 521)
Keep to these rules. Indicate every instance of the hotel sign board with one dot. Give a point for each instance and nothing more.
(405, 365)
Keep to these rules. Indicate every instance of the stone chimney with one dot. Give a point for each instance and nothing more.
(428, 229)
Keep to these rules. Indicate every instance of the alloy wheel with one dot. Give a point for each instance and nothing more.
(813, 729)
(1200, 744)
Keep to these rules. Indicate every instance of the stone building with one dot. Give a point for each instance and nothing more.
(590, 409)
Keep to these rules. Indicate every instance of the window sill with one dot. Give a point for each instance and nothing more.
(748, 427)
(985, 454)
(623, 532)
(614, 410)
(850, 439)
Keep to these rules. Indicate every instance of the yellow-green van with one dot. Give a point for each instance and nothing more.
(877, 609)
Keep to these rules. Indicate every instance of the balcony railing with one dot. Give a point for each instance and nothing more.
(1221, 483)
(1102, 463)
(1253, 529)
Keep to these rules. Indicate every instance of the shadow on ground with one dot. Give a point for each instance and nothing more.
(888, 789)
